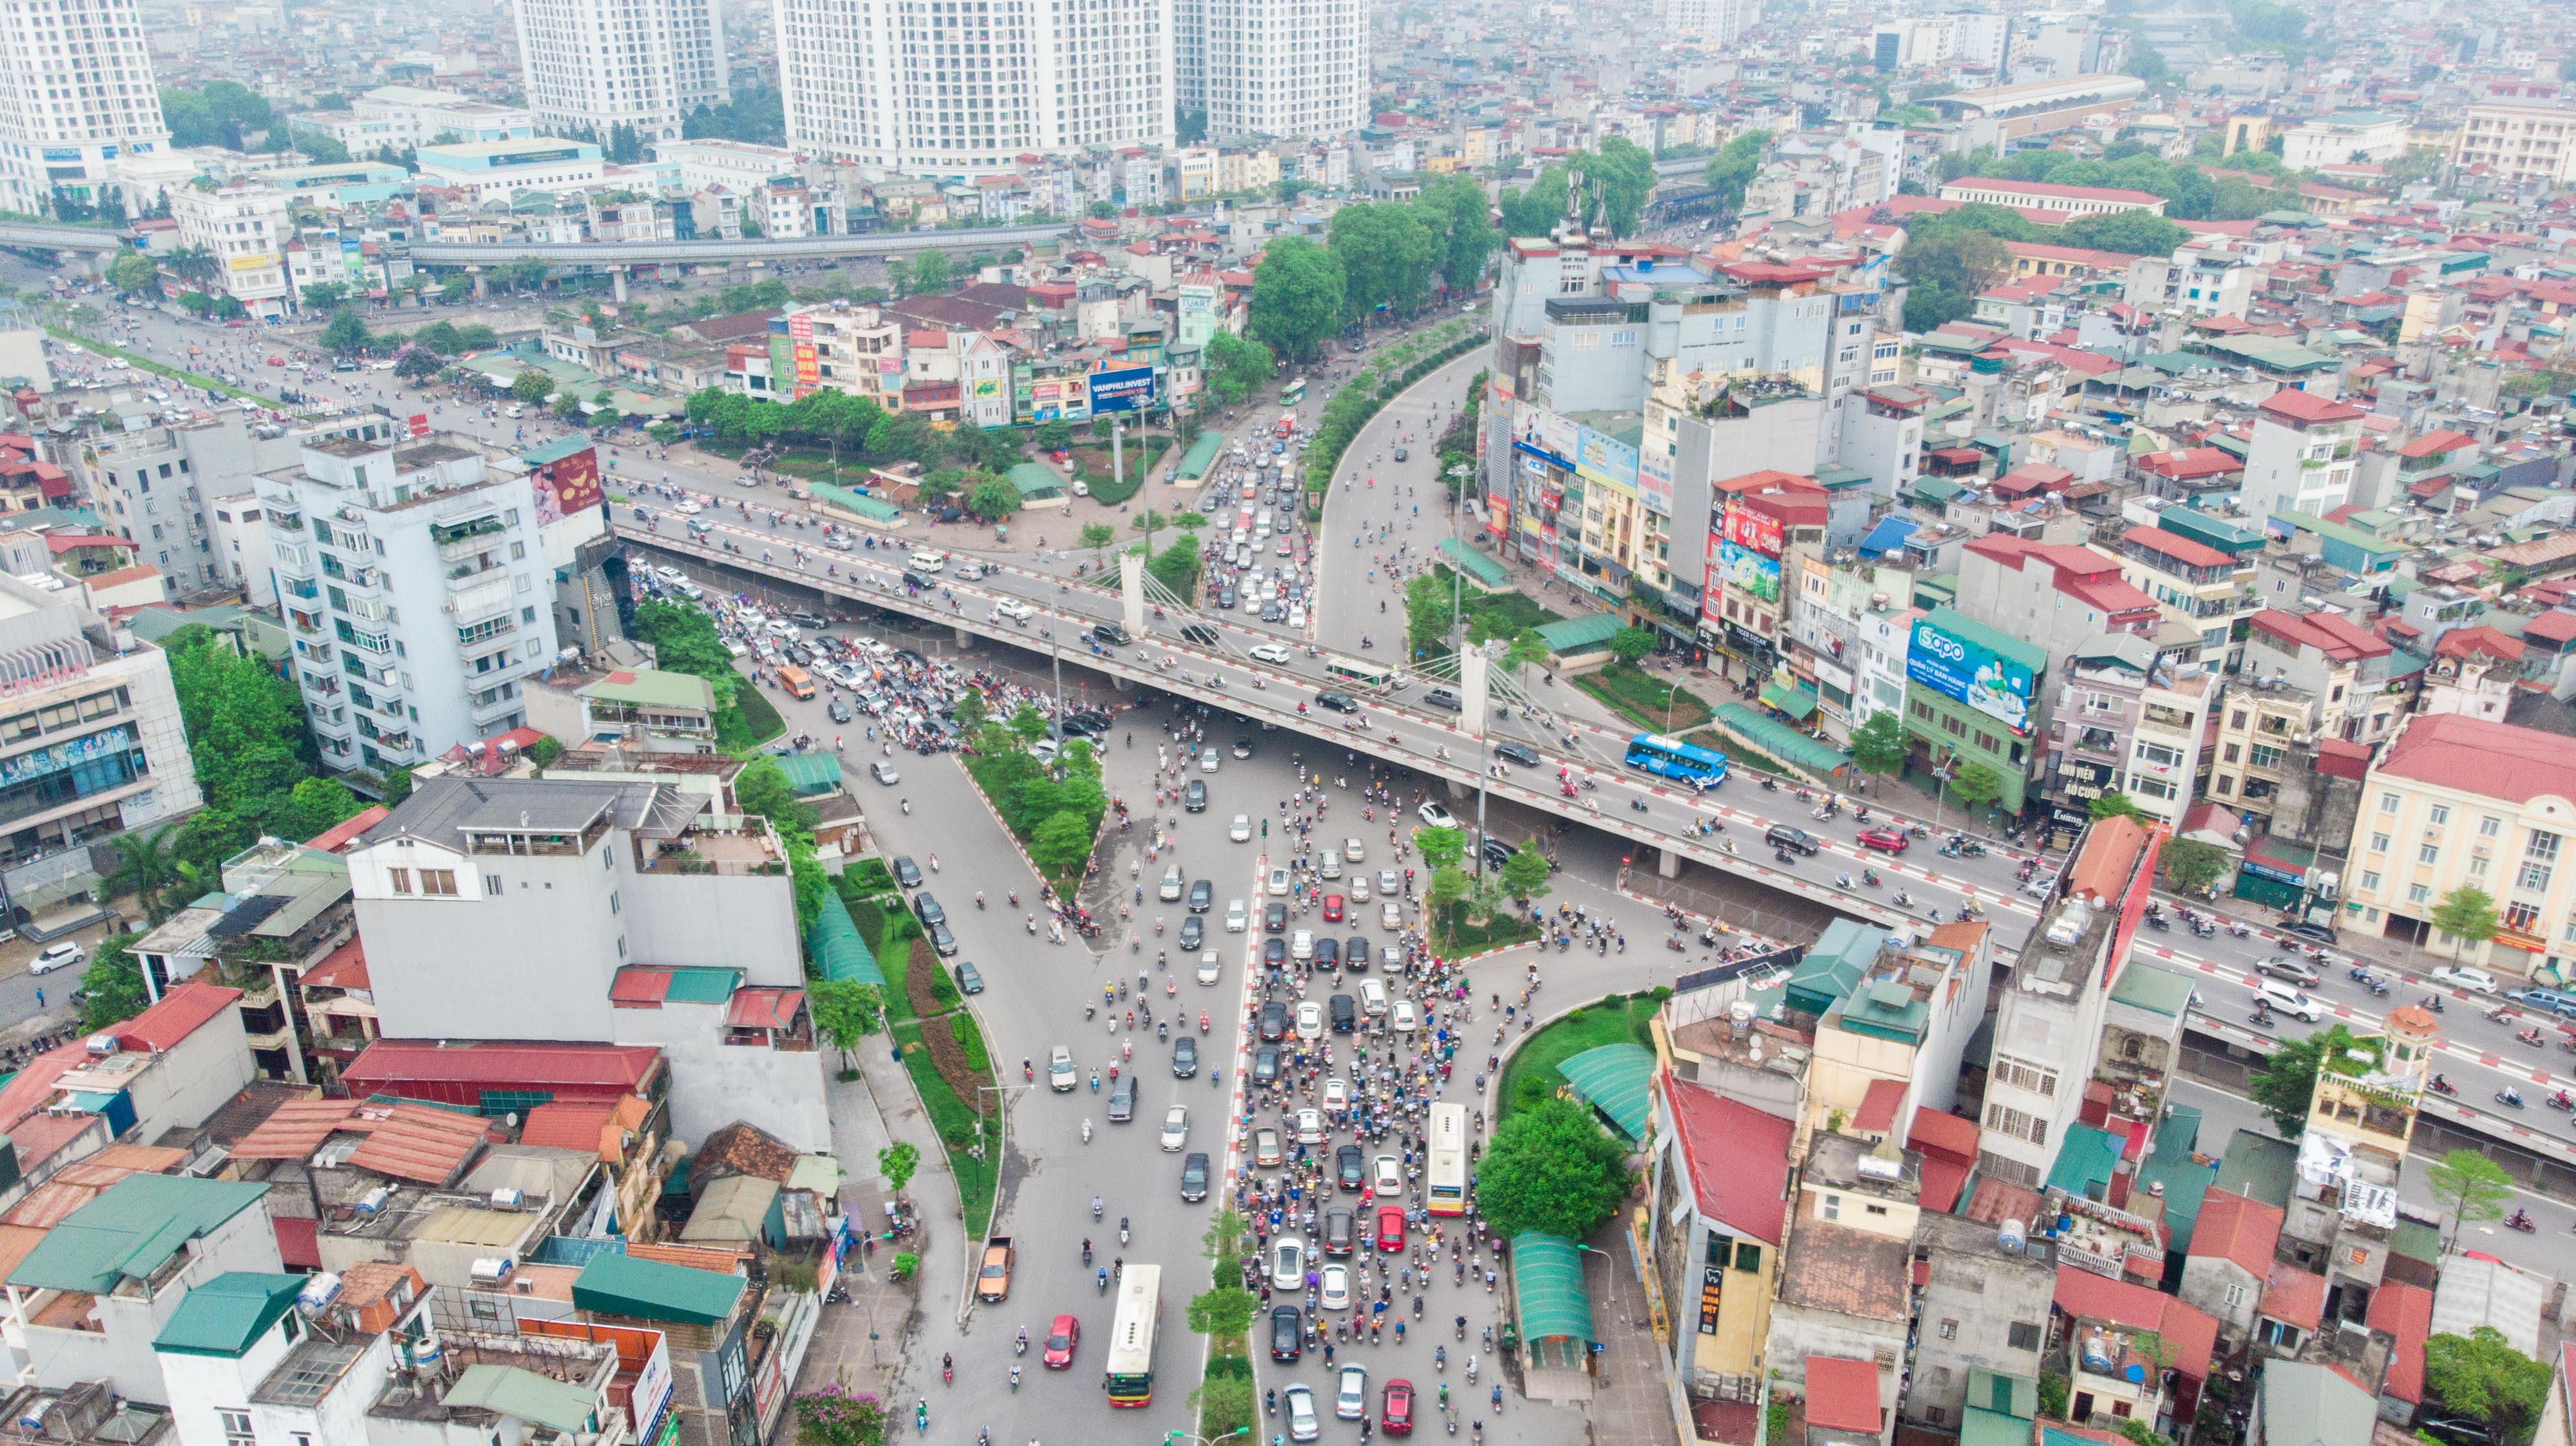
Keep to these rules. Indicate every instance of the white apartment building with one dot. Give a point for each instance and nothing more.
(738, 166)
(1711, 22)
(245, 227)
(2301, 456)
(2519, 142)
(412, 116)
(1294, 69)
(415, 586)
(91, 744)
(2344, 138)
(956, 87)
(591, 65)
(76, 93)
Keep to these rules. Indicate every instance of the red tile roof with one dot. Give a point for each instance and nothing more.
(2405, 1312)
(1842, 1395)
(2191, 463)
(2555, 626)
(1878, 1106)
(2493, 760)
(2110, 853)
(765, 1008)
(2234, 1228)
(2435, 443)
(2043, 188)
(407, 1141)
(2329, 633)
(2190, 1334)
(2299, 406)
(2180, 549)
(181, 1012)
(2463, 642)
(1944, 1133)
(339, 836)
(533, 1066)
(568, 1125)
(344, 968)
(2293, 1297)
(1738, 1159)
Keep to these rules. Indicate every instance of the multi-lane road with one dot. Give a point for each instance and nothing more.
(2481, 1057)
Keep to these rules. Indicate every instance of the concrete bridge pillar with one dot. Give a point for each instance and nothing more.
(966, 641)
(1123, 684)
(1668, 863)
(482, 286)
(1460, 788)
(617, 283)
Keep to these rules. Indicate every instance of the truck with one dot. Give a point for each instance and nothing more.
(993, 1278)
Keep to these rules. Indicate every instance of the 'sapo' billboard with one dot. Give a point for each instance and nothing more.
(1971, 673)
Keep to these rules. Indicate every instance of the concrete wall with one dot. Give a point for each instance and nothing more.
(713, 1084)
(1977, 1293)
(534, 961)
(744, 921)
(191, 1081)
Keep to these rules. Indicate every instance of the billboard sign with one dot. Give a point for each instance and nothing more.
(1973, 674)
(1536, 429)
(1605, 460)
(1129, 390)
(1753, 531)
(1748, 572)
(1655, 481)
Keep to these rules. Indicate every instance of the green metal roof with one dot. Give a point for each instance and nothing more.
(130, 1230)
(1547, 1288)
(524, 1395)
(2185, 1181)
(701, 984)
(1035, 481)
(1759, 730)
(810, 773)
(2259, 1168)
(2084, 1160)
(2153, 986)
(224, 1316)
(1580, 635)
(1981, 1427)
(656, 688)
(650, 1290)
(1831, 970)
(1478, 566)
(836, 948)
(2005, 1395)
(1795, 699)
(874, 509)
(1618, 1080)
(1201, 456)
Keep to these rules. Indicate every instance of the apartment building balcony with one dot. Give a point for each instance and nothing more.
(457, 545)
(303, 587)
(490, 630)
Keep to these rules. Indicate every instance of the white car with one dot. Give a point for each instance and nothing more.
(1331, 868)
(1337, 1093)
(1310, 1127)
(1372, 997)
(1350, 1402)
(1386, 1175)
(1389, 882)
(2460, 976)
(1014, 609)
(65, 955)
(1337, 1288)
(1176, 1127)
(1169, 891)
(1407, 1017)
(1436, 816)
(1310, 1020)
(929, 561)
(1278, 883)
(885, 773)
(1299, 1401)
(1207, 760)
(1357, 892)
(1390, 916)
(670, 574)
(2286, 1000)
(1211, 968)
(1238, 916)
(1288, 1263)
(1301, 947)
(1241, 829)
(1353, 851)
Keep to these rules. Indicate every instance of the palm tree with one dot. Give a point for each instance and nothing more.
(146, 866)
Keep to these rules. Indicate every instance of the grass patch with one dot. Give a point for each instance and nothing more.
(1643, 700)
(952, 1118)
(1092, 466)
(1503, 613)
(866, 878)
(1532, 1074)
(752, 720)
(1454, 935)
(885, 926)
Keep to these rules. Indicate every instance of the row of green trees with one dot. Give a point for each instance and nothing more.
(1054, 809)
(1379, 256)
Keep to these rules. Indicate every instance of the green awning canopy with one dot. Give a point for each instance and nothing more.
(1780, 740)
(1475, 564)
(874, 509)
(810, 773)
(1617, 1080)
(1795, 699)
(1201, 456)
(1547, 1288)
(836, 948)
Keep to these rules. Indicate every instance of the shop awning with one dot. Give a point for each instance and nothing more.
(1759, 730)
(1483, 569)
(1795, 699)
(1617, 1080)
(1547, 1288)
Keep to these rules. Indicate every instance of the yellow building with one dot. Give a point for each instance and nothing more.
(2456, 802)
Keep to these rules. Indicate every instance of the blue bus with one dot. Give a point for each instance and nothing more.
(1671, 757)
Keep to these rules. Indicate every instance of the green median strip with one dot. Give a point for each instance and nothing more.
(176, 374)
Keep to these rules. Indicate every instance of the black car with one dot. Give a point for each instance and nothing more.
(1122, 1100)
(1497, 854)
(1274, 917)
(1225, 597)
(926, 905)
(2317, 932)
(906, 872)
(1338, 702)
(1265, 1064)
(1199, 633)
(2454, 1428)
(1345, 1012)
(1796, 841)
(942, 942)
(1355, 954)
(1274, 953)
(1084, 722)
(1243, 746)
(1287, 1333)
(1328, 953)
(1194, 797)
(968, 980)
(1272, 612)
(1520, 753)
(1274, 1021)
(1194, 1176)
(1193, 932)
(1341, 1232)
(1201, 896)
(1349, 1170)
(916, 580)
(1185, 1056)
(839, 710)
(1109, 635)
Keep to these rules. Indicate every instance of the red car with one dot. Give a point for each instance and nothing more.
(1892, 840)
(1396, 1419)
(1332, 908)
(277, 361)
(1062, 1337)
(1390, 1227)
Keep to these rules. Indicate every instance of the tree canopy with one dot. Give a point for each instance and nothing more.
(1297, 293)
(1553, 1169)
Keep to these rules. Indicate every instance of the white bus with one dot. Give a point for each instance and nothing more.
(1354, 670)
(1130, 1379)
(1448, 1160)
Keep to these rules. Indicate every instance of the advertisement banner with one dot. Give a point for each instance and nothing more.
(420, 424)
(1536, 429)
(1655, 482)
(1748, 572)
(567, 485)
(1606, 460)
(2083, 778)
(1498, 515)
(1950, 665)
(809, 368)
(1753, 531)
(1122, 391)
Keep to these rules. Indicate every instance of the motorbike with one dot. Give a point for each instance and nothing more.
(2561, 1101)
(2441, 1086)
(2432, 1003)
(2532, 1037)
(2510, 1099)
(2520, 1220)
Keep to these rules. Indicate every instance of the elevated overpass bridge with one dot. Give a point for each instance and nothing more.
(618, 257)
(95, 244)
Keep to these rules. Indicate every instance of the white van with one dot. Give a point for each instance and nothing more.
(929, 561)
